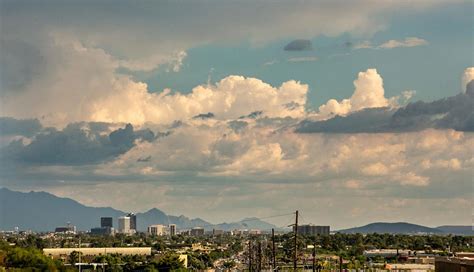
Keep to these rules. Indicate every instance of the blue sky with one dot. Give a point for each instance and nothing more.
(432, 70)
(194, 107)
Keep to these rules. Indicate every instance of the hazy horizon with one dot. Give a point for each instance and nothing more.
(351, 112)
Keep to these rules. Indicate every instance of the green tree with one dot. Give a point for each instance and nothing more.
(169, 262)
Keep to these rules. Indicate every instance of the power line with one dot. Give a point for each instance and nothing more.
(252, 219)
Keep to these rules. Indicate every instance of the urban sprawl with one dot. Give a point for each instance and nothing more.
(166, 248)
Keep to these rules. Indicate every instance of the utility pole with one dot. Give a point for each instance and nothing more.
(314, 254)
(80, 253)
(259, 256)
(250, 256)
(295, 257)
(340, 263)
(273, 250)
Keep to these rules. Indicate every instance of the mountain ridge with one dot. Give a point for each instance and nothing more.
(43, 211)
(408, 228)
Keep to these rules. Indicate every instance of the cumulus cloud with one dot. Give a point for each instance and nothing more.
(77, 144)
(467, 77)
(200, 158)
(454, 112)
(84, 94)
(27, 127)
(368, 93)
(372, 114)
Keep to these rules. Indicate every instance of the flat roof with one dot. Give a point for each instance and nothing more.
(98, 251)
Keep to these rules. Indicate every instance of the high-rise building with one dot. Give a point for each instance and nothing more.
(197, 231)
(124, 224)
(172, 229)
(133, 221)
(106, 222)
(313, 230)
(157, 230)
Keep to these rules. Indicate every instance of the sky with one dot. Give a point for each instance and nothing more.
(351, 112)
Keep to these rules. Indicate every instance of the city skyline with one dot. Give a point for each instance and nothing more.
(351, 112)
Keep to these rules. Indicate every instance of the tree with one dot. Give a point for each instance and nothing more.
(74, 257)
(169, 262)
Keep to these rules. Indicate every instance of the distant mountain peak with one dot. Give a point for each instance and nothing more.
(391, 227)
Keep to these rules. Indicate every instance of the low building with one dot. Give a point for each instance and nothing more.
(184, 259)
(217, 232)
(410, 267)
(90, 251)
(313, 230)
(157, 230)
(386, 253)
(197, 231)
(255, 232)
(66, 229)
(454, 264)
(102, 231)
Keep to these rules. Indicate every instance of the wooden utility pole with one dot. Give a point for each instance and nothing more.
(273, 250)
(295, 257)
(250, 256)
(80, 253)
(259, 256)
(314, 255)
(340, 263)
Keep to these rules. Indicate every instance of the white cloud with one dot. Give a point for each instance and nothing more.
(368, 93)
(303, 59)
(85, 87)
(390, 44)
(375, 169)
(363, 45)
(412, 179)
(408, 42)
(467, 76)
(271, 62)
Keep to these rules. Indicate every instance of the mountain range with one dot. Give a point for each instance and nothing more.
(407, 228)
(41, 211)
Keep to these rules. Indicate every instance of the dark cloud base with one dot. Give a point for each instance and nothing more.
(456, 112)
(77, 144)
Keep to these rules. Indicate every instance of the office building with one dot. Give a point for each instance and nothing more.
(133, 221)
(197, 231)
(157, 230)
(313, 230)
(124, 224)
(106, 222)
(172, 229)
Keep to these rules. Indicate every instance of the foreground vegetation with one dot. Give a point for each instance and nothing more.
(24, 252)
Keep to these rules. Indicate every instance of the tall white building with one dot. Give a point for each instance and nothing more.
(158, 230)
(124, 224)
